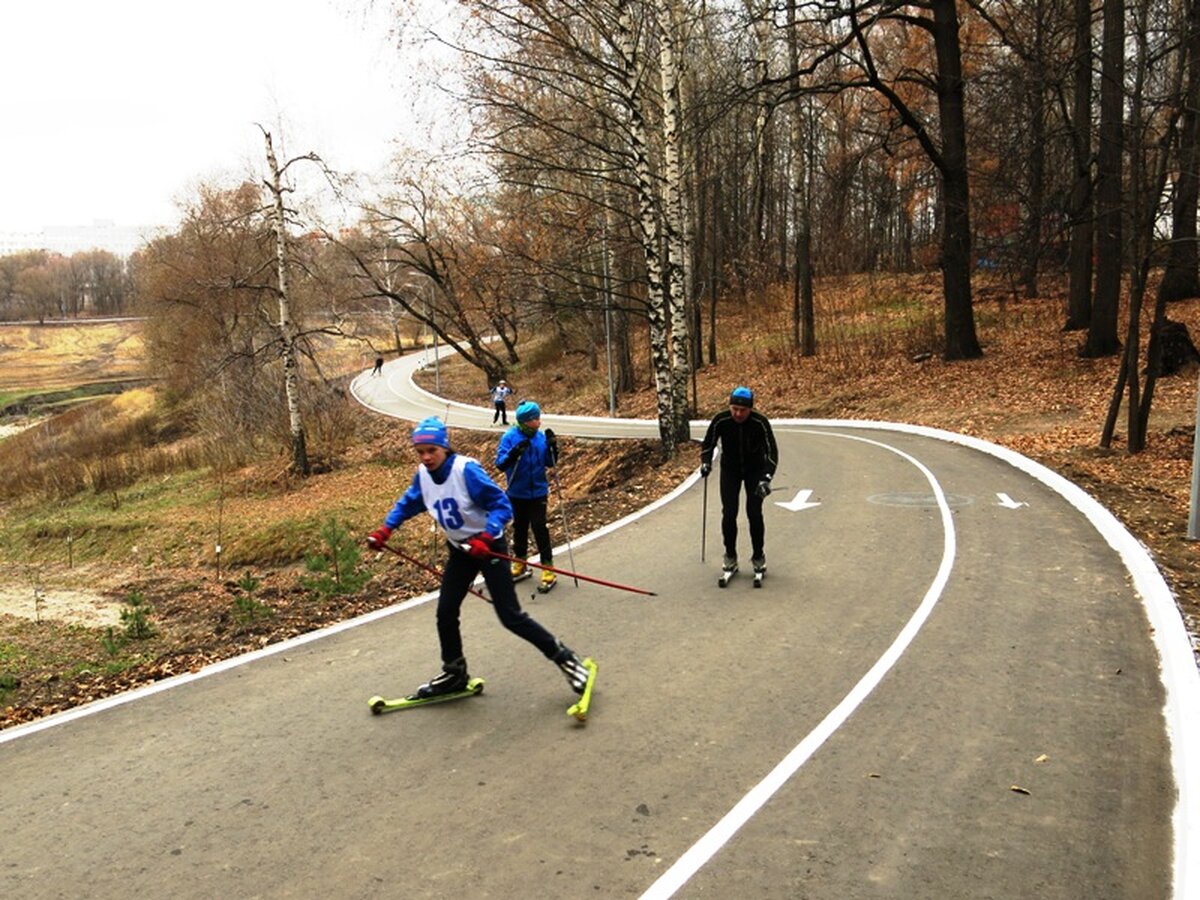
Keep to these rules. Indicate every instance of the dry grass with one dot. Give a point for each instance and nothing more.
(42, 358)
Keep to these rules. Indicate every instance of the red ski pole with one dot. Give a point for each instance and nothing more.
(569, 574)
(432, 570)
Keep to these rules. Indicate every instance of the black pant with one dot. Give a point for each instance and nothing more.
(501, 413)
(461, 569)
(531, 514)
(731, 485)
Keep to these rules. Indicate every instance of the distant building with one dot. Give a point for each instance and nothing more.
(121, 240)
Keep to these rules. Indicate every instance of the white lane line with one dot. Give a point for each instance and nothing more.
(703, 850)
(1178, 675)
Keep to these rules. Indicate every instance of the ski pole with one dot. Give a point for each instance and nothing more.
(432, 570)
(704, 520)
(562, 508)
(600, 581)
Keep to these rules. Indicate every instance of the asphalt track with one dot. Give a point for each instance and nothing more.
(962, 679)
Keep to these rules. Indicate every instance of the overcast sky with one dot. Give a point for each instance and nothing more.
(114, 109)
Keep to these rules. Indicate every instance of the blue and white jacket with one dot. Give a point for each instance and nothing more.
(459, 495)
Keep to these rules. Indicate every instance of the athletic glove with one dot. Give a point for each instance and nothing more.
(376, 539)
(552, 447)
(764, 488)
(480, 545)
(514, 454)
(705, 468)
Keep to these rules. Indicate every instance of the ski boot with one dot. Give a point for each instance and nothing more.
(760, 569)
(548, 581)
(572, 666)
(520, 571)
(453, 679)
(728, 568)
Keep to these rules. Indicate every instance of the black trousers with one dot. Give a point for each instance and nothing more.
(461, 569)
(501, 413)
(731, 486)
(531, 515)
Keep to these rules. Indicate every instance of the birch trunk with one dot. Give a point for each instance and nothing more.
(631, 71)
(673, 217)
(287, 327)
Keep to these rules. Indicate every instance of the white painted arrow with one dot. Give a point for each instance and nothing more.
(799, 502)
(1009, 503)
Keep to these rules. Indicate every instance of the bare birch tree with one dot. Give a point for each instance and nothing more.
(286, 325)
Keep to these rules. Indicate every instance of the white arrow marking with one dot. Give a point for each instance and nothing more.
(1009, 503)
(799, 502)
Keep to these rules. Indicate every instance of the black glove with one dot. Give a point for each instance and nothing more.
(705, 468)
(514, 454)
(552, 447)
(764, 488)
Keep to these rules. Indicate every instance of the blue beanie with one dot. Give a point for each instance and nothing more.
(742, 396)
(431, 431)
(528, 410)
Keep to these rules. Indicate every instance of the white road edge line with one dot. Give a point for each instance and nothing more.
(69, 715)
(703, 850)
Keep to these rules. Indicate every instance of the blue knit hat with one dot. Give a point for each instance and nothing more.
(528, 410)
(431, 430)
(742, 396)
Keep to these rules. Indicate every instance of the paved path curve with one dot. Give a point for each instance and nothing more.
(962, 679)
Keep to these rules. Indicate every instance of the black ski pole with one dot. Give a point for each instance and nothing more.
(562, 508)
(704, 520)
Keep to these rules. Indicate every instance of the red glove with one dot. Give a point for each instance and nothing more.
(480, 545)
(376, 539)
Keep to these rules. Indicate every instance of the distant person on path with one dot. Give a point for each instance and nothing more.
(749, 457)
(500, 394)
(524, 454)
(378, 370)
(472, 511)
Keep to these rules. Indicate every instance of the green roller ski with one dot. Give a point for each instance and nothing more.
(381, 705)
(579, 710)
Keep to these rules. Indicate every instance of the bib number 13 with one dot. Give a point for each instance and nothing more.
(448, 514)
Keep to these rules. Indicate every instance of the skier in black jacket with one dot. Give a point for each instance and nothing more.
(749, 457)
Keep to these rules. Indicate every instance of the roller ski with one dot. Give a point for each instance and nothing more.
(760, 570)
(728, 569)
(520, 571)
(452, 683)
(547, 582)
(581, 675)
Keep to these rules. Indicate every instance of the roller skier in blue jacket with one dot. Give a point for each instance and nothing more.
(472, 511)
(524, 454)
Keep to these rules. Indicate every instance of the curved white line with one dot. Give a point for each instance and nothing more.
(703, 850)
(1180, 675)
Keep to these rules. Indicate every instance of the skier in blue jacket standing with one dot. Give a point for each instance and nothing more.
(472, 511)
(524, 454)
